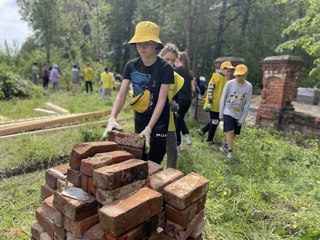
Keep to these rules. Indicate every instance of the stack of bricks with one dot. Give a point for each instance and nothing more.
(131, 198)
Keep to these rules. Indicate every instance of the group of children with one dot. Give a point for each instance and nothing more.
(106, 80)
(168, 92)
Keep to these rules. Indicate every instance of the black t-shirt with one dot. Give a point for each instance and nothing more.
(140, 76)
(185, 91)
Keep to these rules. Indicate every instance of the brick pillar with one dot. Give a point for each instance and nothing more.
(280, 84)
(234, 60)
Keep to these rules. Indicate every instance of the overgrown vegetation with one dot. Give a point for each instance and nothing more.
(270, 190)
(11, 85)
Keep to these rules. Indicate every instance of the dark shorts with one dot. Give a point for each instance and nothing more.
(231, 124)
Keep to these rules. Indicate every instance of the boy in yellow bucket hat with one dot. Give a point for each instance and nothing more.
(234, 106)
(212, 102)
(152, 73)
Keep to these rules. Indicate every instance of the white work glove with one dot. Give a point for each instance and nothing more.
(146, 133)
(112, 125)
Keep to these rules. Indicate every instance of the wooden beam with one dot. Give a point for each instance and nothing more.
(41, 110)
(63, 128)
(56, 108)
(50, 122)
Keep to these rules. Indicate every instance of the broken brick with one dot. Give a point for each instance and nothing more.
(89, 149)
(120, 174)
(185, 191)
(131, 211)
(159, 180)
(103, 159)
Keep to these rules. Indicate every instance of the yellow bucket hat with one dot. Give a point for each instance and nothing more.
(241, 69)
(226, 64)
(146, 31)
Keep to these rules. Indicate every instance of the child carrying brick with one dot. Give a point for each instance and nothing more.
(234, 106)
(147, 72)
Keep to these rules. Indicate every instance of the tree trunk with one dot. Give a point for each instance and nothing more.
(219, 41)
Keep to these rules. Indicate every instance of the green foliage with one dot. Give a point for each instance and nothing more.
(11, 85)
(302, 34)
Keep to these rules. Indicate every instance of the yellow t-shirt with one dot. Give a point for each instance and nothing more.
(219, 82)
(88, 72)
(107, 80)
(173, 90)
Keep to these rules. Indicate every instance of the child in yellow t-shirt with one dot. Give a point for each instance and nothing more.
(88, 76)
(106, 82)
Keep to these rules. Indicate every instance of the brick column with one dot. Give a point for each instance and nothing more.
(280, 83)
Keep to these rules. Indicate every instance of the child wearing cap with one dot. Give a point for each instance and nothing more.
(147, 72)
(211, 104)
(234, 106)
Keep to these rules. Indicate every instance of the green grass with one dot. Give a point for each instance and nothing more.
(23, 108)
(269, 190)
(19, 197)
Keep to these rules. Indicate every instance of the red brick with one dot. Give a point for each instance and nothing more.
(136, 152)
(71, 237)
(78, 228)
(159, 180)
(52, 180)
(53, 214)
(103, 159)
(59, 233)
(108, 196)
(44, 222)
(158, 234)
(95, 233)
(141, 232)
(46, 190)
(91, 187)
(73, 208)
(181, 233)
(36, 230)
(84, 182)
(185, 191)
(131, 211)
(127, 139)
(89, 149)
(45, 236)
(74, 177)
(184, 217)
(162, 219)
(120, 174)
(198, 230)
(197, 238)
(153, 167)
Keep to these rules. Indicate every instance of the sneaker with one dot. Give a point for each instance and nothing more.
(209, 143)
(230, 154)
(186, 139)
(201, 133)
(224, 148)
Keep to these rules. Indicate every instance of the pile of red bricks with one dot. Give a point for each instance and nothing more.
(133, 199)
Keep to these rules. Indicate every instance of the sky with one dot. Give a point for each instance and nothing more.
(11, 26)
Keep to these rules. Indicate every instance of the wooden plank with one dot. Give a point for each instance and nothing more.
(56, 129)
(41, 110)
(50, 122)
(56, 108)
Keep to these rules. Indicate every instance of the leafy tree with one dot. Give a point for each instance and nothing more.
(43, 16)
(303, 34)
